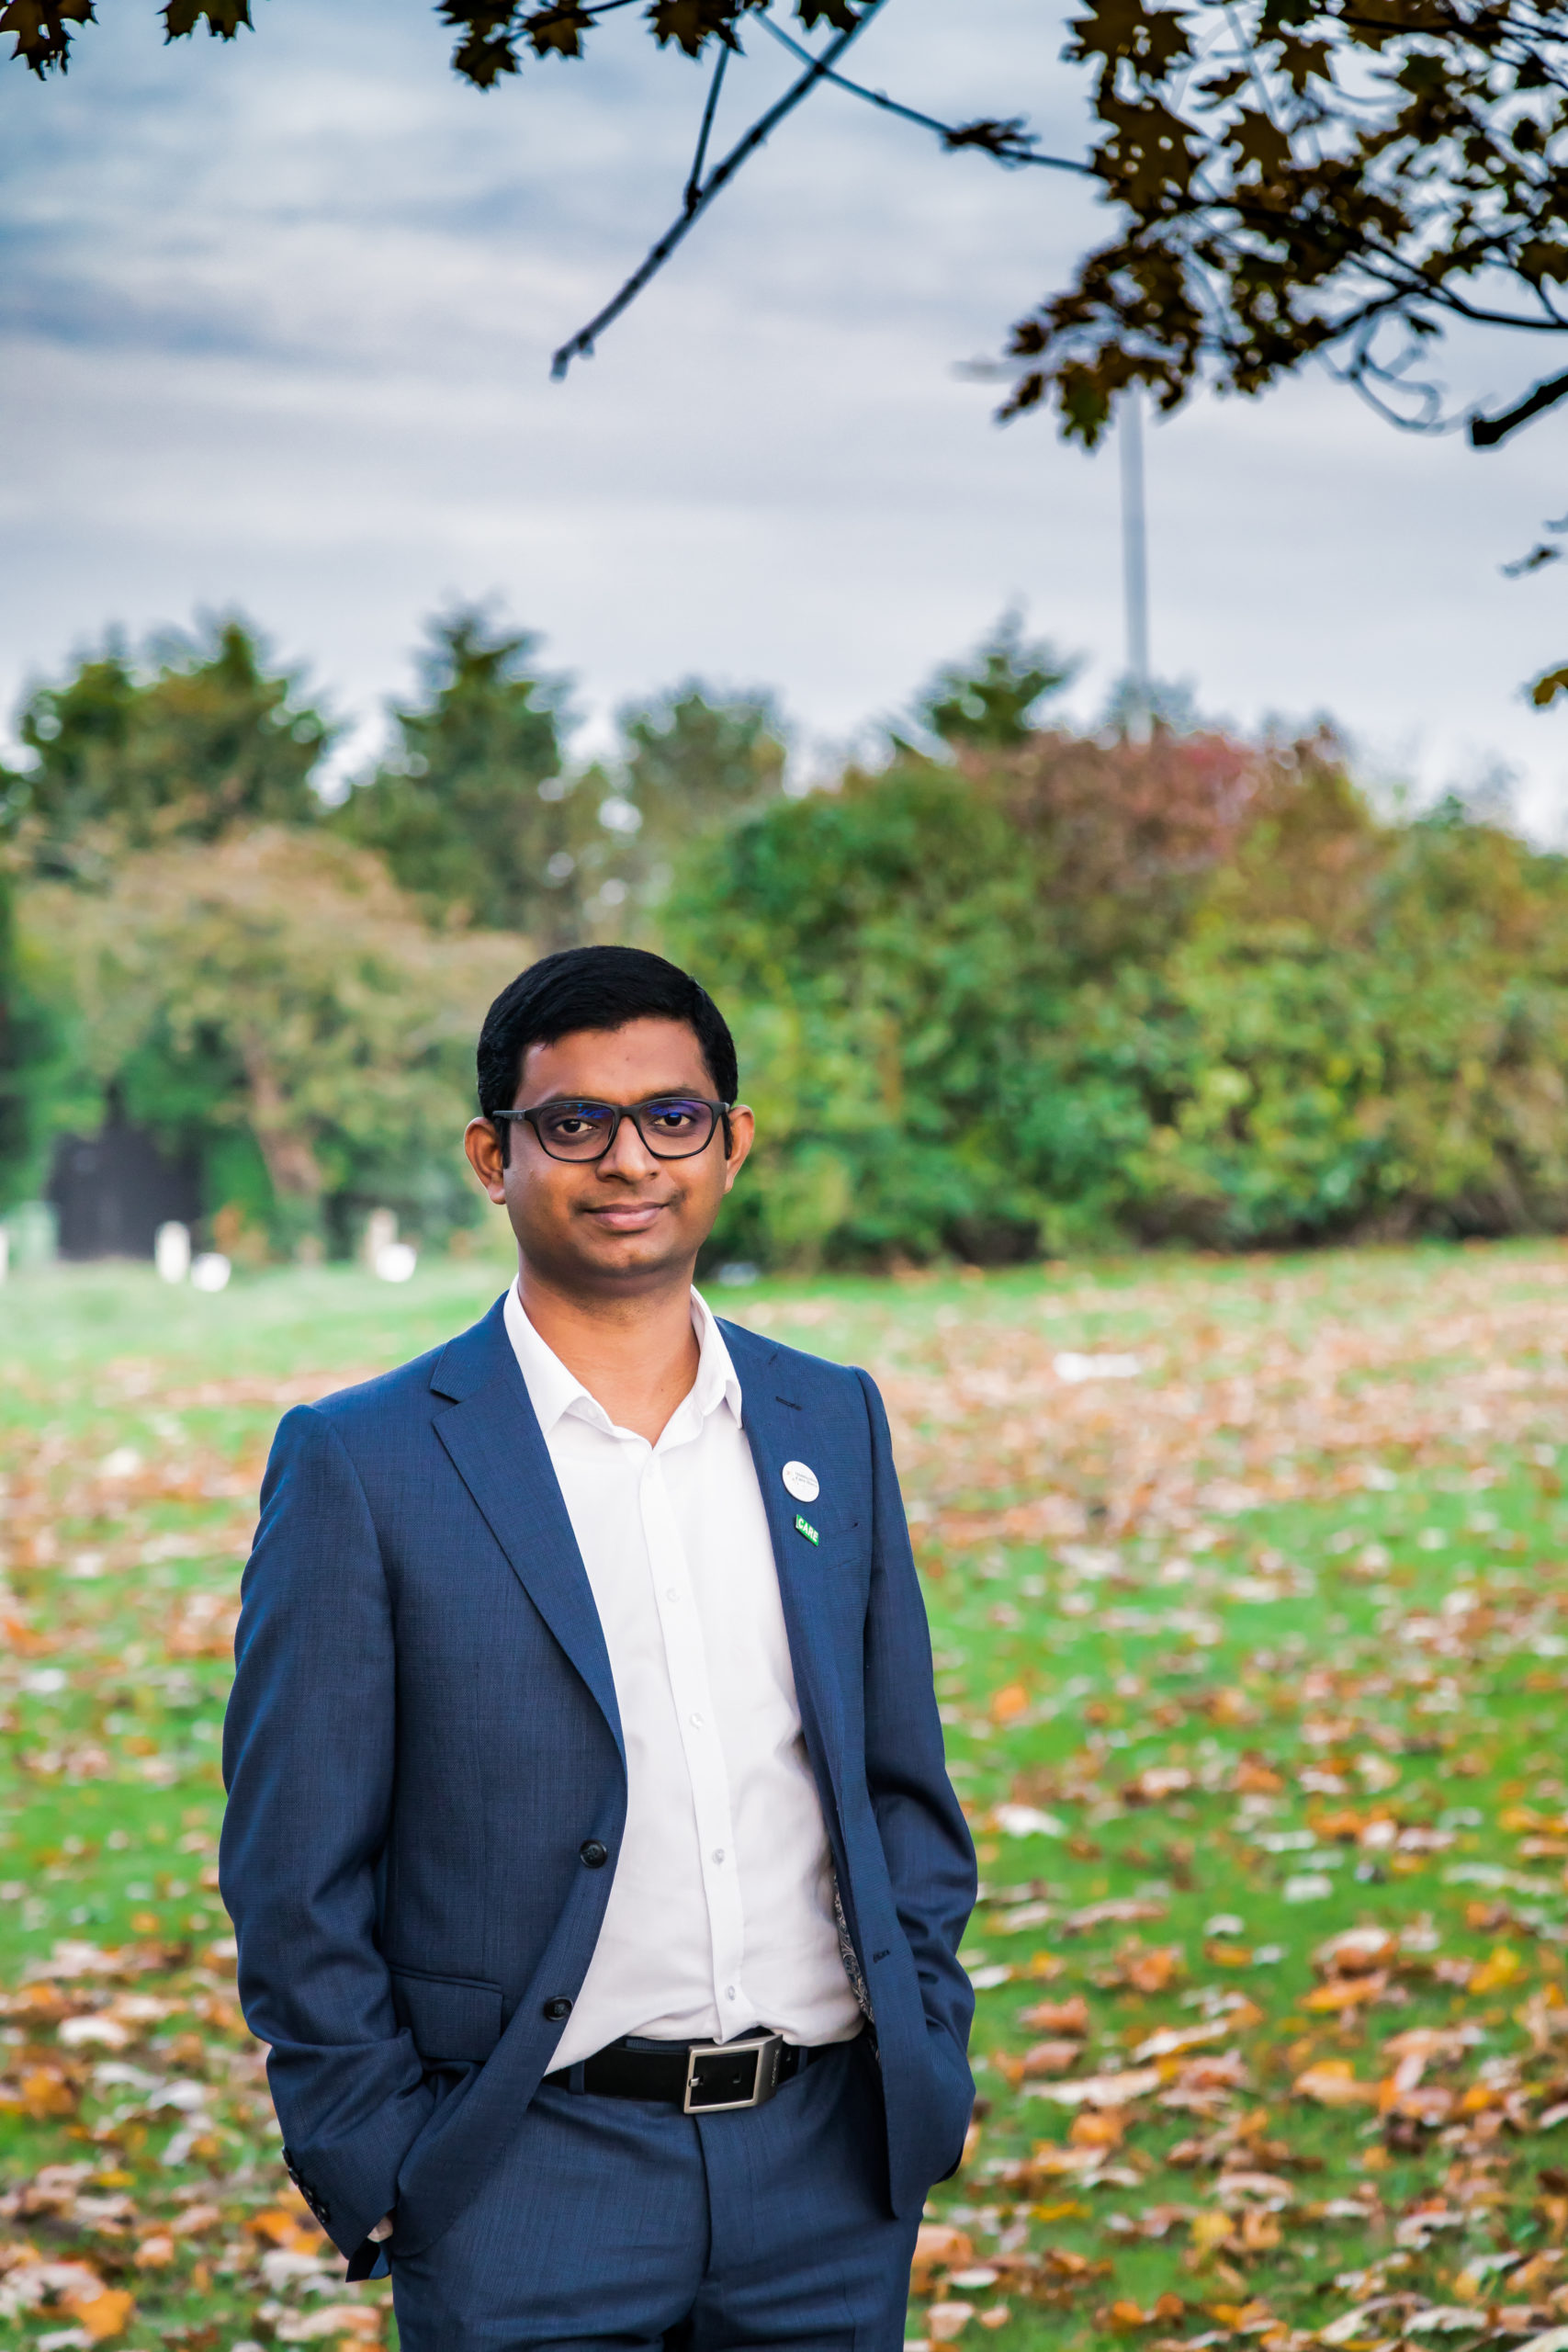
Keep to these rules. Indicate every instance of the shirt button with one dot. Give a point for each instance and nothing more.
(595, 1854)
(730, 1992)
(557, 2009)
(696, 1723)
(718, 1853)
(671, 1593)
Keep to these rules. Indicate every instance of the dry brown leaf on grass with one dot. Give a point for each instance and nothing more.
(353, 2324)
(1057, 2017)
(1332, 2083)
(1356, 1951)
(1102, 2090)
(104, 2312)
(1170, 2040)
(1143, 1968)
(1124, 2316)
(938, 2246)
(1098, 2129)
(1155, 1782)
(292, 2231)
(1342, 1992)
(1043, 2058)
(1504, 1967)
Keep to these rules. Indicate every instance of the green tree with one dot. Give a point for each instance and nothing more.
(275, 1002)
(197, 740)
(990, 701)
(32, 1059)
(691, 762)
(695, 758)
(473, 813)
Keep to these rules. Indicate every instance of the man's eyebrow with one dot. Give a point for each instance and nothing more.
(654, 1094)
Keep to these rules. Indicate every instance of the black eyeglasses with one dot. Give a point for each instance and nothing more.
(673, 1126)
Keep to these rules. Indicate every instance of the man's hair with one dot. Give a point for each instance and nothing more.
(595, 988)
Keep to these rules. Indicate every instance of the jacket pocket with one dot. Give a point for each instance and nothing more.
(829, 1525)
(452, 2018)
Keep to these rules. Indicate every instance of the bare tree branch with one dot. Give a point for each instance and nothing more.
(581, 344)
(1485, 432)
(694, 176)
(1008, 142)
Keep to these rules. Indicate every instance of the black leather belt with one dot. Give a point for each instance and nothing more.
(699, 2077)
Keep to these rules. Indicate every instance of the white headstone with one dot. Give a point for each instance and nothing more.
(396, 1261)
(380, 1233)
(171, 1253)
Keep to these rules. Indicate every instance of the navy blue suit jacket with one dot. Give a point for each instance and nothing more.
(423, 1737)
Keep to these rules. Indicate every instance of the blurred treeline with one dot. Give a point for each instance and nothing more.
(1006, 988)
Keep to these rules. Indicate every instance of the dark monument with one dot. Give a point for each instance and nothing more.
(112, 1191)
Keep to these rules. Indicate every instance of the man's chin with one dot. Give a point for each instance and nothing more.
(649, 1250)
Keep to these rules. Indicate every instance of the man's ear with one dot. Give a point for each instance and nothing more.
(487, 1155)
(742, 1127)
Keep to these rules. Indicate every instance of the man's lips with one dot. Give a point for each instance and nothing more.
(628, 1216)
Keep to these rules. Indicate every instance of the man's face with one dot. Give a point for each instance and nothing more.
(631, 1220)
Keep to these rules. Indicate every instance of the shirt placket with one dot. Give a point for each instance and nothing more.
(685, 1655)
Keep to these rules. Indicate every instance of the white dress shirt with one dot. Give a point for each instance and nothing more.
(721, 1917)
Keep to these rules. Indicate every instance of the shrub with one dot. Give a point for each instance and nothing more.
(1069, 993)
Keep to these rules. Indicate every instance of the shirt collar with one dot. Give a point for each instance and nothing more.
(554, 1391)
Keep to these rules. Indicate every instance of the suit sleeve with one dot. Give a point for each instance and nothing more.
(930, 1856)
(307, 1761)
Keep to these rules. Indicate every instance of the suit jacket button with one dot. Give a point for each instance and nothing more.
(558, 2008)
(592, 1852)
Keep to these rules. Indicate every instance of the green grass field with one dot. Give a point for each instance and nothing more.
(1249, 1592)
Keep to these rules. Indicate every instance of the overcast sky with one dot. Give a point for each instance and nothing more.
(276, 321)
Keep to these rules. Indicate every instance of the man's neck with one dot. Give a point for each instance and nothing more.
(636, 1357)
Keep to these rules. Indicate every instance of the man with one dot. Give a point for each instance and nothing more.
(597, 1879)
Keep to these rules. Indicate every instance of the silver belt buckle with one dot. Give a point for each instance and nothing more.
(718, 2068)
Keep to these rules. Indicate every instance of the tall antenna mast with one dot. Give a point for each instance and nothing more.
(1136, 565)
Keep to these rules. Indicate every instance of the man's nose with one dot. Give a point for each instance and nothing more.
(628, 1156)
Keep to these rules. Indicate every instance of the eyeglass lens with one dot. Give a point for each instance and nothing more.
(673, 1127)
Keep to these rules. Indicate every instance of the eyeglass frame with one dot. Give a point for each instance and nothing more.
(622, 1111)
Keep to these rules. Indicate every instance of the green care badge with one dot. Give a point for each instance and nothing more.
(804, 1527)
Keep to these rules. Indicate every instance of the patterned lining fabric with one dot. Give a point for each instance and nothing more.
(850, 1957)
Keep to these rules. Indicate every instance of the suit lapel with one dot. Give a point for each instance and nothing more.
(777, 1428)
(493, 1436)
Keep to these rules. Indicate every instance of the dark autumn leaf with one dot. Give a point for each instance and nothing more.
(40, 30)
(223, 18)
(1258, 139)
(840, 14)
(557, 30)
(691, 24)
(486, 47)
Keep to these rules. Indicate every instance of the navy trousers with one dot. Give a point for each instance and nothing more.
(623, 2224)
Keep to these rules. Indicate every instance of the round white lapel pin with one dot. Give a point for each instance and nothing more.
(801, 1482)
